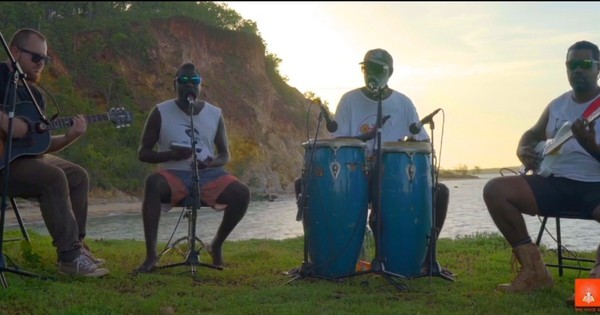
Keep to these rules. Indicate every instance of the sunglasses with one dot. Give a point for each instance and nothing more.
(195, 80)
(374, 68)
(584, 64)
(35, 57)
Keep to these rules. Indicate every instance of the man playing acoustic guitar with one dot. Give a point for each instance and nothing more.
(571, 186)
(60, 187)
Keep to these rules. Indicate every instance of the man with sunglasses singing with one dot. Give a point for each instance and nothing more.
(60, 187)
(166, 141)
(356, 116)
(569, 185)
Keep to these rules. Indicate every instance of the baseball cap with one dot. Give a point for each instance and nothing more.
(379, 56)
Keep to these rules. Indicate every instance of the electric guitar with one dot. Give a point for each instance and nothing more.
(38, 141)
(549, 150)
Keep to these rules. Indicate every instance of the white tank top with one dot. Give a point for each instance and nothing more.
(176, 127)
(573, 161)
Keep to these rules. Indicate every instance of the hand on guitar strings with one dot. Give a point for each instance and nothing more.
(77, 129)
(585, 134)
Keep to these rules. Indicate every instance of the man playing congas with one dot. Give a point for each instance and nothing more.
(356, 117)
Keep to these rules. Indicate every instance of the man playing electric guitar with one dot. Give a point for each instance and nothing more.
(573, 187)
(61, 187)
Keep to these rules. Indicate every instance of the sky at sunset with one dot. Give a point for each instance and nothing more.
(491, 66)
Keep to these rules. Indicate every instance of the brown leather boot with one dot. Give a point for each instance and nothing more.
(533, 274)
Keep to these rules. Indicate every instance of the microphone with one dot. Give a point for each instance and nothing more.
(332, 125)
(376, 83)
(372, 85)
(190, 98)
(416, 126)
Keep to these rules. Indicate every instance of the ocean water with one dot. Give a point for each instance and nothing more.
(467, 215)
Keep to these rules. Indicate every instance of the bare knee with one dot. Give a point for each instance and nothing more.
(156, 186)
(495, 189)
(242, 192)
(236, 195)
(514, 191)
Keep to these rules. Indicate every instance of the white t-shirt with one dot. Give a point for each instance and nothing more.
(573, 161)
(356, 114)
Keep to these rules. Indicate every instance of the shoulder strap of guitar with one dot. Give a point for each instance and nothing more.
(591, 108)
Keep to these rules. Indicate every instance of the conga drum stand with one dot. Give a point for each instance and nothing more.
(378, 263)
(305, 269)
(434, 268)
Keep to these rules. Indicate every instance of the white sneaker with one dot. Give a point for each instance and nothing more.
(97, 261)
(81, 266)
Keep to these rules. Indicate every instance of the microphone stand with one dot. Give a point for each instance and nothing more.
(434, 268)
(193, 257)
(378, 263)
(11, 101)
(305, 270)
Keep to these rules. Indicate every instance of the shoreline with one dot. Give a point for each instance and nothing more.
(98, 207)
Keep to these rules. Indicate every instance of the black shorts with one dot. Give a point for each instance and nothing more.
(563, 197)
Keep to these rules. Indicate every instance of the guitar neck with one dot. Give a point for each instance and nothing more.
(558, 142)
(68, 121)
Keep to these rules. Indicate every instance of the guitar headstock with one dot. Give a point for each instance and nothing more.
(120, 117)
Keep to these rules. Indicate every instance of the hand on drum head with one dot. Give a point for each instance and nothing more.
(368, 135)
(371, 133)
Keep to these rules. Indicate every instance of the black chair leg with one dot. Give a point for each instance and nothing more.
(561, 259)
(15, 208)
(559, 249)
(541, 233)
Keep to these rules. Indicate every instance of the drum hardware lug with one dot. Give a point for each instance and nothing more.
(351, 167)
(410, 168)
(335, 169)
(410, 172)
(318, 172)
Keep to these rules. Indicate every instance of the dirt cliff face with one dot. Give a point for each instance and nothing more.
(265, 120)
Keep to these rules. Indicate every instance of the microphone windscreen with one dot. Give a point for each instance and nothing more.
(415, 128)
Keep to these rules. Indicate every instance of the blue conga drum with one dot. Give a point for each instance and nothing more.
(337, 199)
(406, 206)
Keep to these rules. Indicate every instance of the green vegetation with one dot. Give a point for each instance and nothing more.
(254, 283)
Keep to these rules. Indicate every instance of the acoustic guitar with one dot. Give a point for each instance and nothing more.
(549, 150)
(38, 141)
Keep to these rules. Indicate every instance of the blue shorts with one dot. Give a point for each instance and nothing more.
(563, 197)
